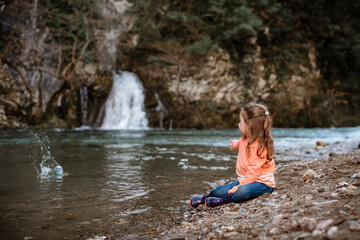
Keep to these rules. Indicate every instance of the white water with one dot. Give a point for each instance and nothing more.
(124, 108)
(48, 166)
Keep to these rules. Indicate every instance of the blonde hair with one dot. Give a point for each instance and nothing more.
(258, 123)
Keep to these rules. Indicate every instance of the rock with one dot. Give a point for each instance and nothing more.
(316, 233)
(318, 176)
(307, 223)
(351, 188)
(323, 189)
(277, 219)
(183, 208)
(274, 231)
(271, 204)
(309, 174)
(283, 197)
(309, 197)
(321, 144)
(342, 184)
(317, 149)
(321, 204)
(353, 225)
(354, 175)
(304, 236)
(324, 225)
(332, 232)
(186, 224)
(85, 223)
(231, 234)
(334, 195)
(228, 228)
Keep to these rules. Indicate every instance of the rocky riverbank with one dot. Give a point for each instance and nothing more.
(317, 199)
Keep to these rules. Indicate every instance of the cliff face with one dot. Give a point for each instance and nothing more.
(61, 77)
(209, 92)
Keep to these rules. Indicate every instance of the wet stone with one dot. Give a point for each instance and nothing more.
(85, 223)
(323, 189)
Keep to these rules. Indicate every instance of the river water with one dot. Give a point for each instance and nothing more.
(127, 184)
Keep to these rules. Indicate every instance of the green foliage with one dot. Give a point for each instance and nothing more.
(68, 21)
(226, 23)
(201, 47)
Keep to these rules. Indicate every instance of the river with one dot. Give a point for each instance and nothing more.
(125, 183)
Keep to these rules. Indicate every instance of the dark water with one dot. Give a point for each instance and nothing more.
(128, 184)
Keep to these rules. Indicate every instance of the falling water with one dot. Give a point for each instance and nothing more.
(124, 107)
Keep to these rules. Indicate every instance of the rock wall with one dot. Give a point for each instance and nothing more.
(12, 101)
(209, 92)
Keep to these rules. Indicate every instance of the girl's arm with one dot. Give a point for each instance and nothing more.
(234, 144)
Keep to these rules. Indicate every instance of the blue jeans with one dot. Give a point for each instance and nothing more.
(244, 192)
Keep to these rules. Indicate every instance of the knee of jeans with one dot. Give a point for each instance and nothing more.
(215, 193)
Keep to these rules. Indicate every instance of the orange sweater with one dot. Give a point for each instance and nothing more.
(251, 168)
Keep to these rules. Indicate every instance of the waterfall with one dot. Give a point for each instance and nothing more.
(124, 108)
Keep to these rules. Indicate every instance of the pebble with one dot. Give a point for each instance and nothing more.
(318, 176)
(316, 233)
(228, 228)
(353, 225)
(323, 189)
(283, 197)
(309, 174)
(274, 231)
(343, 184)
(354, 175)
(324, 225)
(231, 234)
(186, 224)
(308, 223)
(332, 232)
(85, 223)
(277, 219)
(320, 143)
(334, 195)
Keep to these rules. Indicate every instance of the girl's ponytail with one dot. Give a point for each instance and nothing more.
(269, 142)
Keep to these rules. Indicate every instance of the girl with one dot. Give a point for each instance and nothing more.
(255, 163)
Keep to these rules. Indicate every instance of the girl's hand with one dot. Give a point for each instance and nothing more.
(233, 189)
(231, 145)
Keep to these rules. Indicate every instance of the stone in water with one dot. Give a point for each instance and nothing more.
(58, 170)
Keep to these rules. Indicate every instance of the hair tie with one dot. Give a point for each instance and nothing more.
(266, 113)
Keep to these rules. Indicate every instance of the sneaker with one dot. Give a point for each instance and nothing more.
(213, 202)
(196, 201)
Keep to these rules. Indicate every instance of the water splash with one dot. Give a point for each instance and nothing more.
(48, 166)
(125, 105)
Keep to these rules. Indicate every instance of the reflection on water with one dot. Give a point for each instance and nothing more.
(127, 184)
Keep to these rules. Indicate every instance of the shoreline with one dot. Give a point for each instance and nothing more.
(321, 204)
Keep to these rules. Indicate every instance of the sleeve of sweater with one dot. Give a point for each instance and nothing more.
(254, 168)
(235, 144)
